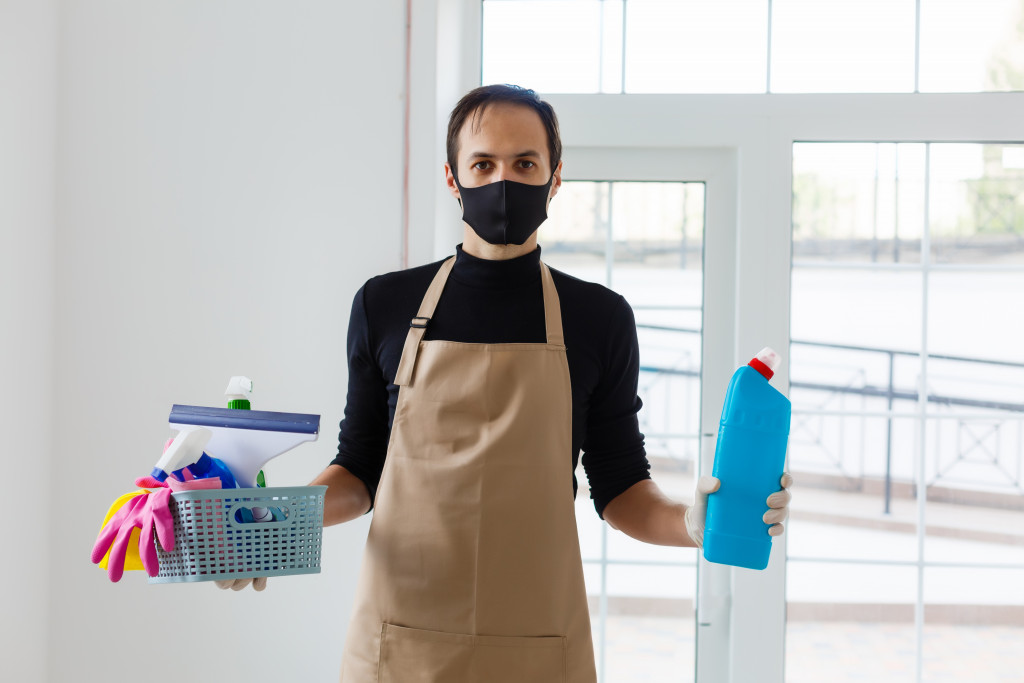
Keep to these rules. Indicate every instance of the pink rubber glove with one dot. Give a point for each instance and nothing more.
(146, 512)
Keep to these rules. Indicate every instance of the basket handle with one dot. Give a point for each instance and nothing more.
(288, 521)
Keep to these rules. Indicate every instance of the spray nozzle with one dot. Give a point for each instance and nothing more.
(185, 449)
(239, 391)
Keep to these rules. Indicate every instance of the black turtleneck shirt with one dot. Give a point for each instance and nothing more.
(487, 302)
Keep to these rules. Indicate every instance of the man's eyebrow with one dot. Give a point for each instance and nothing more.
(489, 155)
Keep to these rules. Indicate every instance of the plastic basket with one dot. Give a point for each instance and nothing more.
(211, 543)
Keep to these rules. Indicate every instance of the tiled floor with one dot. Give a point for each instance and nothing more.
(661, 650)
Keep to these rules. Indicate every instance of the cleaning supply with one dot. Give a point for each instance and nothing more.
(194, 484)
(185, 449)
(246, 440)
(749, 462)
(132, 561)
(206, 467)
(146, 512)
(239, 392)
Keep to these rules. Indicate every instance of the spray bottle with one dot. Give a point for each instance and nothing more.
(239, 392)
(185, 449)
(749, 460)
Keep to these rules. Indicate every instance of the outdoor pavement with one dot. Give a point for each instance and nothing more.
(848, 621)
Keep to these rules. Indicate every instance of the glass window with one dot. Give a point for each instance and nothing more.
(855, 621)
(547, 45)
(977, 314)
(645, 240)
(842, 46)
(977, 203)
(858, 202)
(972, 46)
(696, 47)
(972, 626)
(875, 422)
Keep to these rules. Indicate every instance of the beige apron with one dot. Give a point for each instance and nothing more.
(472, 569)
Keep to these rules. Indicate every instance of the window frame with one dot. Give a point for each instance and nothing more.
(757, 133)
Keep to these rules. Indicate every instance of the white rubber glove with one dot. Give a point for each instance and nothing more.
(696, 515)
(778, 504)
(258, 584)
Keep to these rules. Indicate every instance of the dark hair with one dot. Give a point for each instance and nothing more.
(478, 99)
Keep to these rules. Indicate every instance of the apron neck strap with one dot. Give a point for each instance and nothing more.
(552, 307)
(418, 326)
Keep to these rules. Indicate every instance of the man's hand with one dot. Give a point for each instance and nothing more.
(696, 514)
(778, 504)
(258, 583)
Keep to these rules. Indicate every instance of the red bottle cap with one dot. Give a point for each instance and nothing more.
(765, 362)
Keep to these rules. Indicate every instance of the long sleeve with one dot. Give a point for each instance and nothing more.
(363, 435)
(613, 447)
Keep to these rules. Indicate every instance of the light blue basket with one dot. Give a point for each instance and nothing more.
(211, 543)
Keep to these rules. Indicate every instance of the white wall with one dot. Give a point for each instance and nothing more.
(229, 173)
(28, 32)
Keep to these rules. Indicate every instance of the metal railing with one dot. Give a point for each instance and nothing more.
(971, 437)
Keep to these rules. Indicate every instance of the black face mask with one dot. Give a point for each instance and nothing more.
(505, 212)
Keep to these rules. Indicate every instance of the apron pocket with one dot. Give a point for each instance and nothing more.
(411, 655)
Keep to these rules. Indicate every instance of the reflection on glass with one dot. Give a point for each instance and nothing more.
(547, 45)
(645, 240)
(842, 46)
(858, 202)
(971, 46)
(977, 203)
(696, 47)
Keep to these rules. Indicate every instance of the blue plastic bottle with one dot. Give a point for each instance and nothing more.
(749, 461)
(206, 467)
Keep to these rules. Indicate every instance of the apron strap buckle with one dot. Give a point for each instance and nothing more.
(420, 325)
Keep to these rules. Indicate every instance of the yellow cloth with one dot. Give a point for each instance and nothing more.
(131, 558)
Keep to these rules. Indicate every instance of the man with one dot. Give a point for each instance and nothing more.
(474, 383)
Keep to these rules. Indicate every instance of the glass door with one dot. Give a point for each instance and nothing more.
(636, 221)
(907, 539)
(645, 241)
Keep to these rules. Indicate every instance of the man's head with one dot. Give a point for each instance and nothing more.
(474, 103)
(502, 133)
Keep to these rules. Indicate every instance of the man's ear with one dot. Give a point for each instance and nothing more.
(449, 180)
(556, 180)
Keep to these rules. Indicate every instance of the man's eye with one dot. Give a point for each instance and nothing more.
(527, 164)
(482, 165)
